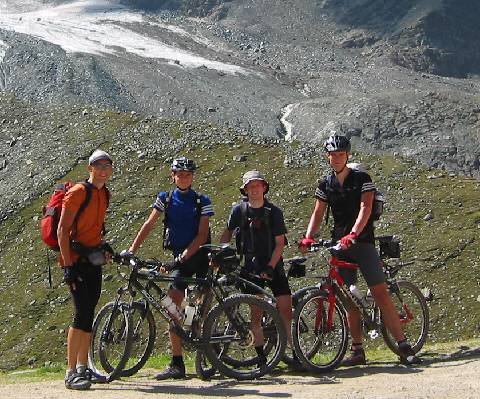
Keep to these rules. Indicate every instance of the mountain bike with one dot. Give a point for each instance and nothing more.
(234, 281)
(125, 329)
(320, 329)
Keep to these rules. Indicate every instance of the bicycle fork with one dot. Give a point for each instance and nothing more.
(108, 335)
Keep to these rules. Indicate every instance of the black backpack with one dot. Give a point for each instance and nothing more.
(244, 228)
(166, 235)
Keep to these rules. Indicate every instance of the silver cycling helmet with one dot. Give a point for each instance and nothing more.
(183, 163)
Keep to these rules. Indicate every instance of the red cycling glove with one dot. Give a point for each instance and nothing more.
(348, 240)
(306, 242)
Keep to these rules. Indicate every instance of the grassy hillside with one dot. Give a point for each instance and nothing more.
(34, 317)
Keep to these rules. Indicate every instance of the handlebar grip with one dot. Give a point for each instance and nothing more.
(322, 244)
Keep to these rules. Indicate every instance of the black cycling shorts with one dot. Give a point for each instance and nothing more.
(279, 284)
(366, 256)
(196, 265)
(88, 286)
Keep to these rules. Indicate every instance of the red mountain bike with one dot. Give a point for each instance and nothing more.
(320, 329)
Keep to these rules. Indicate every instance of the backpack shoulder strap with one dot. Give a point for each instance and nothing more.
(243, 225)
(329, 188)
(198, 203)
(88, 197)
(244, 213)
(168, 199)
(268, 221)
(86, 201)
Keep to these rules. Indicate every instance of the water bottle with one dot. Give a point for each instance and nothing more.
(171, 308)
(358, 295)
(189, 314)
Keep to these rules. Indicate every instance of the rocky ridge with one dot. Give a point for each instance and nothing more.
(335, 63)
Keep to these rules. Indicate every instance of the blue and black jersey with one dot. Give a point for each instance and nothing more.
(183, 216)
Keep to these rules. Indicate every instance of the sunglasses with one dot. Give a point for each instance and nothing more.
(102, 166)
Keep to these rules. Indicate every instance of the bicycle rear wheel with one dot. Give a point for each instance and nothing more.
(414, 316)
(230, 342)
(320, 347)
(144, 333)
(111, 340)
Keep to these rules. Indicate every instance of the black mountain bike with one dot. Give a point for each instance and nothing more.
(124, 330)
(233, 281)
(320, 330)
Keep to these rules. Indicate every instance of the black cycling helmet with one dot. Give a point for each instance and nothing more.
(183, 163)
(337, 143)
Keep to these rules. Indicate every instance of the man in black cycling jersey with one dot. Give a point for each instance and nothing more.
(350, 194)
(261, 230)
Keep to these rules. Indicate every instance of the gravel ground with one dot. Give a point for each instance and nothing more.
(435, 379)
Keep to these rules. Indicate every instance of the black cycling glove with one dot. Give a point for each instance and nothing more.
(172, 265)
(69, 274)
(268, 271)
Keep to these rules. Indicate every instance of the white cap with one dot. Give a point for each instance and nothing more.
(98, 155)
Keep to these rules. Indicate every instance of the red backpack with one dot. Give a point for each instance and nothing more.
(53, 210)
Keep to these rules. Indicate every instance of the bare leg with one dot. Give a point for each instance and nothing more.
(82, 355)
(284, 306)
(354, 319)
(74, 343)
(176, 342)
(389, 313)
(256, 324)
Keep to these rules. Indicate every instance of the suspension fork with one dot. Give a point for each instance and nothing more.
(233, 317)
(107, 330)
(319, 316)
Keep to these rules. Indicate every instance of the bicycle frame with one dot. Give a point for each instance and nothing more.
(214, 284)
(335, 286)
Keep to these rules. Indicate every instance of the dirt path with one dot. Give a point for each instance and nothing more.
(455, 376)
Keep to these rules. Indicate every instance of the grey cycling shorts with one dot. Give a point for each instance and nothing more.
(366, 256)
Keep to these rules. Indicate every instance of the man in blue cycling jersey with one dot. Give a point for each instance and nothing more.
(350, 195)
(187, 227)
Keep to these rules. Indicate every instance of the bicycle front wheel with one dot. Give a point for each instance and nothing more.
(230, 340)
(144, 333)
(203, 368)
(111, 340)
(414, 316)
(319, 344)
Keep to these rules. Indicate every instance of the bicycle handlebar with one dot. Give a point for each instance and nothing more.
(136, 263)
(329, 244)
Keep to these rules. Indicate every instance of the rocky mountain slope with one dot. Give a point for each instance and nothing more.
(399, 76)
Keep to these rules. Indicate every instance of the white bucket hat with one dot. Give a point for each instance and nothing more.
(252, 175)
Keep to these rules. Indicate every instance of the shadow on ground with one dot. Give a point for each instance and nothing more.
(224, 387)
